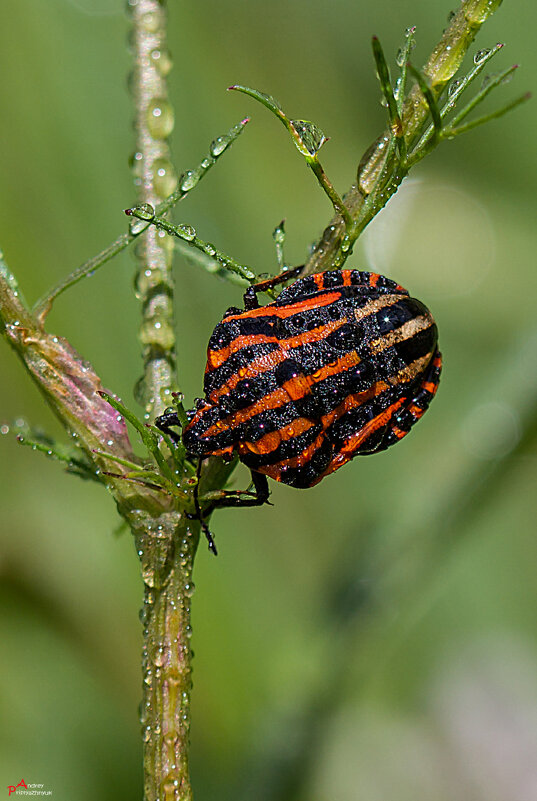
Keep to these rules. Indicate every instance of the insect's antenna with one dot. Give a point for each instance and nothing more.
(199, 515)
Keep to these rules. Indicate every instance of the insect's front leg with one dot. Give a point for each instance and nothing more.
(165, 421)
(250, 296)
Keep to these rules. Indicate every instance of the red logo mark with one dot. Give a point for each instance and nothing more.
(12, 787)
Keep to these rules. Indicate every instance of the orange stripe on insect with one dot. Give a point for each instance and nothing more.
(275, 470)
(271, 441)
(270, 360)
(215, 358)
(353, 402)
(282, 312)
(255, 368)
(315, 335)
(399, 433)
(416, 411)
(430, 387)
(352, 443)
(273, 400)
(344, 363)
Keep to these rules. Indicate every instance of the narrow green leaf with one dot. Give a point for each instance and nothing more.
(401, 59)
(267, 100)
(385, 84)
(188, 234)
(211, 265)
(450, 132)
(279, 238)
(487, 88)
(149, 439)
(74, 461)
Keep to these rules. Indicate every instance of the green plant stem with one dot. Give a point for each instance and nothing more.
(167, 551)
(167, 674)
(380, 159)
(329, 189)
(153, 123)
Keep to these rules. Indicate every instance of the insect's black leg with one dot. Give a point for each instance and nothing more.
(199, 514)
(229, 499)
(261, 490)
(165, 421)
(250, 296)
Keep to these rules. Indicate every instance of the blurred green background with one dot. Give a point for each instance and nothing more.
(373, 638)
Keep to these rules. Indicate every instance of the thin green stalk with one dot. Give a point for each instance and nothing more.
(386, 86)
(188, 234)
(329, 190)
(308, 139)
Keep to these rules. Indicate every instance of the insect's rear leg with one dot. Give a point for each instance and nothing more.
(236, 497)
(230, 498)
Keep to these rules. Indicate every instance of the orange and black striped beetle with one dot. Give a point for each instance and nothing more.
(342, 364)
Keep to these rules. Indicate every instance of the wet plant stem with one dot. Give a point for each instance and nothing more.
(154, 174)
(165, 713)
(166, 656)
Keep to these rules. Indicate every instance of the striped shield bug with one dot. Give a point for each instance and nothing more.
(342, 364)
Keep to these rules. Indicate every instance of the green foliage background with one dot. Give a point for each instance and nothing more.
(374, 637)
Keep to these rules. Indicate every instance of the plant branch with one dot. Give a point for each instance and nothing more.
(188, 234)
(187, 182)
(380, 159)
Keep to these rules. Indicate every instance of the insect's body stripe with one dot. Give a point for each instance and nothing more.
(219, 357)
(352, 444)
(285, 449)
(284, 311)
(374, 305)
(406, 331)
